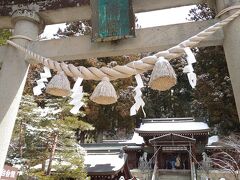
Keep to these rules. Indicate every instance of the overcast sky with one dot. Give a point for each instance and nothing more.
(147, 19)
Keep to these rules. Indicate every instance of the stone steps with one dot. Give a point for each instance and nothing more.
(174, 177)
(163, 174)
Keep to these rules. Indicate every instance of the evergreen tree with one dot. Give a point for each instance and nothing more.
(47, 135)
(213, 95)
(4, 35)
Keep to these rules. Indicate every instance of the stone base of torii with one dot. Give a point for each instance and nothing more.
(14, 68)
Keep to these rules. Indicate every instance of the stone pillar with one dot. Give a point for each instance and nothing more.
(231, 46)
(13, 76)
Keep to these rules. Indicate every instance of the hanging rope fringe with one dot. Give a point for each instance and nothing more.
(77, 96)
(138, 97)
(37, 90)
(190, 56)
(163, 76)
(104, 93)
(192, 77)
(59, 85)
(127, 70)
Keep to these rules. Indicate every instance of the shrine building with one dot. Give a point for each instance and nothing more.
(172, 137)
(167, 143)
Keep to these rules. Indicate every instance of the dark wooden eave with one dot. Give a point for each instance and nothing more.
(112, 174)
(184, 133)
(172, 138)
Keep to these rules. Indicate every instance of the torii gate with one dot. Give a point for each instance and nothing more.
(13, 67)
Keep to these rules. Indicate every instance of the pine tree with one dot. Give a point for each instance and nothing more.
(4, 35)
(213, 95)
(47, 135)
(62, 139)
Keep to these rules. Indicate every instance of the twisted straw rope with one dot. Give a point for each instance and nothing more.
(227, 10)
(132, 68)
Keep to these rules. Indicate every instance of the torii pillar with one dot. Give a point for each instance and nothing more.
(13, 76)
(231, 46)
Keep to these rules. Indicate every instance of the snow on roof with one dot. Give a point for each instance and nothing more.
(104, 162)
(102, 147)
(173, 126)
(55, 162)
(136, 139)
(212, 139)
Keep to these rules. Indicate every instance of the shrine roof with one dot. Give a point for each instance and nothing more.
(215, 143)
(103, 147)
(115, 146)
(213, 140)
(172, 125)
(136, 139)
(104, 163)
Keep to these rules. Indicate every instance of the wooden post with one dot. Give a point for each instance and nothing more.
(160, 160)
(155, 163)
(13, 76)
(53, 149)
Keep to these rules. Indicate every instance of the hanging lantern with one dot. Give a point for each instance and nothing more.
(59, 85)
(163, 76)
(104, 93)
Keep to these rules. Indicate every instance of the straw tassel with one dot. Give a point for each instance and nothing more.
(163, 76)
(104, 93)
(59, 85)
